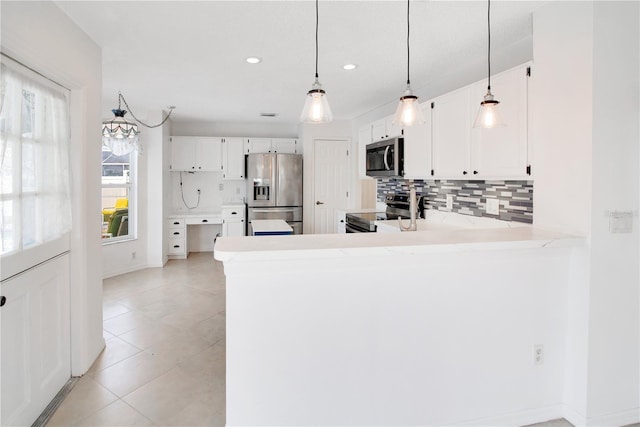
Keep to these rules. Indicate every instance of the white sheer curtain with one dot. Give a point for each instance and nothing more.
(34, 160)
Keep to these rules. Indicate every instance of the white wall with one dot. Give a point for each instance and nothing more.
(265, 129)
(41, 36)
(614, 311)
(584, 129)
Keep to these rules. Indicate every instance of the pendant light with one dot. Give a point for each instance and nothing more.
(119, 134)
(316, 108)
(408, 112)
(489, 115)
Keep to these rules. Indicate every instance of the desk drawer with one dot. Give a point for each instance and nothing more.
(204, 220)
(177, 247)
(177, 233)
(176, 223)
(230, 213)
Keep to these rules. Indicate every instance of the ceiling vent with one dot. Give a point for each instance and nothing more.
(268, 114)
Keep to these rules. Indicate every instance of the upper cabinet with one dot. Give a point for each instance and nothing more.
(462, 152)
(417, 146)
(452, 121)
(233, 158)
(271, 145)
(502, 151)
(196, 153)
(384, 129)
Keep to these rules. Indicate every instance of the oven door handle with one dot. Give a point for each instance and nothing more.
(386, 152)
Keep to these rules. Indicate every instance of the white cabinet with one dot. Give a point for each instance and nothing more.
(233, 220)
(196, 153)
(384, 129)
(460, 151)
(502, 151)
(417, 146)
(177, 238)
(341, 221)
(232, 158)
(271, 145)
(364, 138)
(452, 123)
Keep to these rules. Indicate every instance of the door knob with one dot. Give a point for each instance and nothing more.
(319, 203)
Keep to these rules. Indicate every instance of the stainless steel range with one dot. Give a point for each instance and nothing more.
(397, 206)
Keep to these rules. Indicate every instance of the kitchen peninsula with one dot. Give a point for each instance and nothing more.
(418, 328)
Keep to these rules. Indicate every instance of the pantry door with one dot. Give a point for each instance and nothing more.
(331, 182)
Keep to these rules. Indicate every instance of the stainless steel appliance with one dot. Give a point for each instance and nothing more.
(385, 158)
(274, 189)
(397, 206)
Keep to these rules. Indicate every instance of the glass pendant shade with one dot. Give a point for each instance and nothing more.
(408, 112)
(316, 108)
(120, 135)
(489, 114)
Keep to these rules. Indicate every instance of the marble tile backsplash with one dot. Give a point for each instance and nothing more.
(469, 197)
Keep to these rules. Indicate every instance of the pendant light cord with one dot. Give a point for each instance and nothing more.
(408, 51)
(121, 98)
(489, 43)
(316, 39)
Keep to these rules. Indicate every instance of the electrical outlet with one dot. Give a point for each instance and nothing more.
(449, 201)
(133, 255)
(493, 207)
(221, 187)
(538, 354)
(237, 190)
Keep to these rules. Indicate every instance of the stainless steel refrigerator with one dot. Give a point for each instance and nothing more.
(274, 189)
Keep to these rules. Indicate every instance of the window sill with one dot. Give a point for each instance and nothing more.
(114, 240)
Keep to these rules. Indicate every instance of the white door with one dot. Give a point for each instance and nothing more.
(35, 347)
(331, 182)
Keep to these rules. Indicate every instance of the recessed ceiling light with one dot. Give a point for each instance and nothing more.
(253, 60)
(350, 66)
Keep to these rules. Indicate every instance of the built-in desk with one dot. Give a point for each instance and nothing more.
(196, 232)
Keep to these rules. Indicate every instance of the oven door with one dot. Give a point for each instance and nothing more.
(354, 228)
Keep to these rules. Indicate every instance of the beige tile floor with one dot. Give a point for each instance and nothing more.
(164, 363)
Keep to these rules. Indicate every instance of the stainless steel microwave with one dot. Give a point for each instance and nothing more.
(386, 158)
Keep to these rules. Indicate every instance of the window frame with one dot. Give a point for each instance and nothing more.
(132, 187)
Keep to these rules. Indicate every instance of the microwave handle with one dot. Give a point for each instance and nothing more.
(386, 151)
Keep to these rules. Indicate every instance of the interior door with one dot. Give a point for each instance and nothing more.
(331, 182)
(35, 350)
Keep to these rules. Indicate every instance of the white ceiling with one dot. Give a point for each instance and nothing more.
(191, 54)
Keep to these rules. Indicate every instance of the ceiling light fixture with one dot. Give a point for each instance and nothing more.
(253, 60)
(488, 116)
(350, 66)
(408, 112)
(120, 135)
(316, 107)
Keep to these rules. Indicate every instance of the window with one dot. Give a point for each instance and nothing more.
(35, 203)
(118, 178)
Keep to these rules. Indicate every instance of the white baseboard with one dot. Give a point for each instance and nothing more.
(519, 418)
(574, 417)
(128, 269)
(618, 419)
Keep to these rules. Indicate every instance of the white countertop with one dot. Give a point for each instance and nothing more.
(365, 244)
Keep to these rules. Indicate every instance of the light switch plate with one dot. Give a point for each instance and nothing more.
(493, 207)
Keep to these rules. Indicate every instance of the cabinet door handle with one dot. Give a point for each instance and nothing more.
(205, 220)
(175, 233)
(176, 246)
(176, 223)
(234, 213)
(464, 172)
(475, 172)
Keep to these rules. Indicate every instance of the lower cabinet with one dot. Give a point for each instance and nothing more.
(233, 220)
(177, 238)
